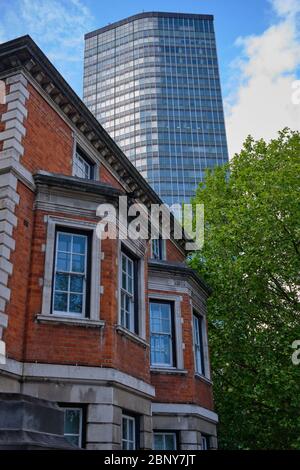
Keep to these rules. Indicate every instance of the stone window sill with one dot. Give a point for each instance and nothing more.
(203, 378)
(58, 320)
(133, 336)
(162, 370)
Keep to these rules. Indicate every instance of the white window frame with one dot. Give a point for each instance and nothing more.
(178, 342)
(164, 434)
(171, 334)
(78, 157)
(128, 419)
(53, 224)
(162, 247)
(126, 293)
(204, 443)
(196, 311)
(74, 408)
(198, 340)
(68, 312)
(138, 253)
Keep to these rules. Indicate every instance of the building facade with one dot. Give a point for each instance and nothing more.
(111, 332)
(152, 80)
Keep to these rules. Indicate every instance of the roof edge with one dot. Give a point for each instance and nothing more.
(180, 268)
(149, 14)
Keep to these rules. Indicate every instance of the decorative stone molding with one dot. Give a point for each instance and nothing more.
(11, 171)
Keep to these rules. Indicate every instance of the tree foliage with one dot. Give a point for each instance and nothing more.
(251, 259)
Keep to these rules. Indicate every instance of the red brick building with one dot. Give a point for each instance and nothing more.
(112, 331)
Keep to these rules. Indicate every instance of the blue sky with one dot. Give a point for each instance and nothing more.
(258, 47)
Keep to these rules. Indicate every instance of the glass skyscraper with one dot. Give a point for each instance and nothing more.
(152, 80)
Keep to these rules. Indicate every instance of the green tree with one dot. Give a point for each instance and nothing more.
(251, 259)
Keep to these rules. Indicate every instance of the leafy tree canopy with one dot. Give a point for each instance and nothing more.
(251, 259)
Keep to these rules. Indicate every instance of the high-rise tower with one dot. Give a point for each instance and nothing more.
(152, 80)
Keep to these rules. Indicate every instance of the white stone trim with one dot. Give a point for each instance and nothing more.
(10, 172)
(178, 325)
(56, 319)
(52, 223)
(77, 374)
(184, 409)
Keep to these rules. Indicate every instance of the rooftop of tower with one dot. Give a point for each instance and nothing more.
(148, 14)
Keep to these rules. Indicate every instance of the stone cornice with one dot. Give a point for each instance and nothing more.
(168, 268)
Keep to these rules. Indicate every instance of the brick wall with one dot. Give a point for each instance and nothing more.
(49, 141)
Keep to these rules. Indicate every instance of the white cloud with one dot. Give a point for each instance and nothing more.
(58, 27)
(261, 101)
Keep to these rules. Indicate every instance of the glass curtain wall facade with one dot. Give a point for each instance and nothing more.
(152, 80)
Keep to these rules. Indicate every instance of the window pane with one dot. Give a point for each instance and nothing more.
(166, 322)
(76, 303)
(130, 430)
(63, 261)
(73, 440)
(170, 442)
(124, 280)
(130, 285)
(124, 428)
(166, 349)
(79, 244)
(76, 284)
(69, 288)
(72, 421)
(127, 292)
(128, 433)
(78, 263)
(64, 242)
(158, 442)
(130, 267)
(124, 263)
(61, 282)
(198, 347)
(61, 302)
(82, 168)
(165, 441)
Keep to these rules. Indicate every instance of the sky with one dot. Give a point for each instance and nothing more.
(258, 43)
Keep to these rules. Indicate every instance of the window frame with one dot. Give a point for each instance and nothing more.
(82, 425)
(134, 321)
(173, 352)
(87, 294)
(199, 321)
(161, 249)
(205, 438)
(164, 432)
(52, 223)
(79, 153)
(136, 431)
